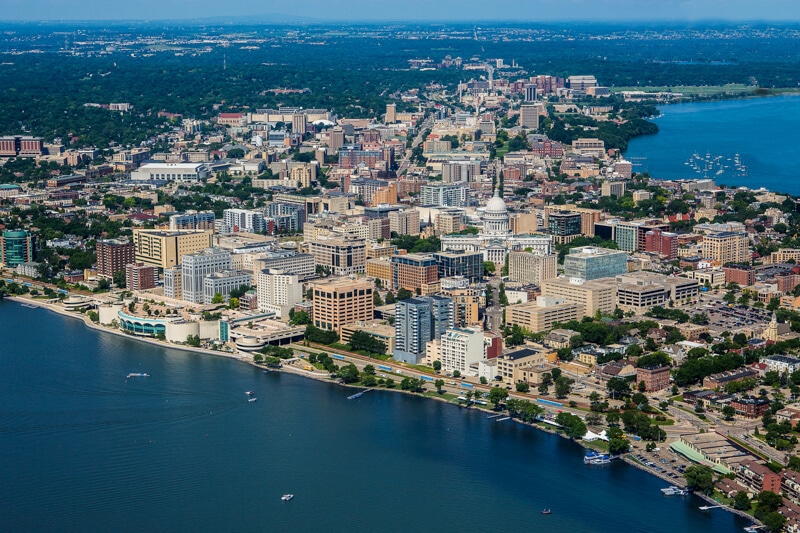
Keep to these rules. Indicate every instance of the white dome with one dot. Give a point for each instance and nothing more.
(496, 205)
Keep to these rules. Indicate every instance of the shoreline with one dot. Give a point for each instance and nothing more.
(326, 378)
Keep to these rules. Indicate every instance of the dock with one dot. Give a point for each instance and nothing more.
(494, 416)
(708, 507)
(358, 394)
(504, 418)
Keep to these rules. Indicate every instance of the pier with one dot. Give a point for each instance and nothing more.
(358, 394)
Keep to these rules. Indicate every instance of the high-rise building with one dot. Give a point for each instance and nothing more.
(612, 188)
(529, 116)
(278, 291)
(415, 272)
(391, 113)
(173, 283)
(447, 223)
(164, 248)
(590, 262)
(417, 321)
(140, 277)
(195, 267)
(626, 235)
(446, 195)
(113, 255)
(564, 226)
(192, 220)
(460, 263)
(342, 255)
(527, 267)
(542, 314)
(661, 242)
(404, 222)
(336, 139)
(727, 247)
(461, 348)
(341, 301)
(299, 123)
(457, 171)
(530, 92)
(289, 261)
(244, 220)
(589, 296)
(16, 247)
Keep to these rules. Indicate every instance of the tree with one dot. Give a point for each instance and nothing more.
(741, 501)
(390, 298)
(437, 365)
(544, 388)
(774, 521)
(218, 298)
(439, 384)
(497, 395)
(193, 340)
(488, 268)
(484, 381)
(300, 318)
(523, 387)
(119, 279)
(403, 294)
(456, 373)
(502, 299)
(348, 374)
(728, 412)
(612, 418)
(699, 478)
(618, 386)
(573, 426)
(618, 445)
(563, 387)
(377, 301)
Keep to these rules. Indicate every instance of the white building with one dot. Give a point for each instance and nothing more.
(461, 348)
(781, 363)
(223, 282)
(181, 172)
(244, 220)
(495, 239)
(278, 291)
(195, 267)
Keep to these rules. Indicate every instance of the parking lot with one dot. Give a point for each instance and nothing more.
(732, 318)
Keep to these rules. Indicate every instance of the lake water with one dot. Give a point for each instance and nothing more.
(84, 449)
(708, 135)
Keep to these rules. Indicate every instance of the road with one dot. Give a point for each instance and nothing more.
(405, 163)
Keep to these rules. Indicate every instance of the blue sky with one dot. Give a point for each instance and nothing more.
(411, 10)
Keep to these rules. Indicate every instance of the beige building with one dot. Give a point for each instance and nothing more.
(510, 365)
(612, 188)
(405, 222)
(378, 329)
(727, 247)
(447, 223)
(714, 276)
(784, 255)
(639, 291)
(542, 314)
(376, 249)
(589, 296)
(523, 223)
(342, 255)
(380, 268)
(166, 248)
(337, 302)
(533, 268)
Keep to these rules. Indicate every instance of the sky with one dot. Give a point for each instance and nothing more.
(406, 10)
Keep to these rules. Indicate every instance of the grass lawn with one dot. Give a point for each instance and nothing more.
(691, 90)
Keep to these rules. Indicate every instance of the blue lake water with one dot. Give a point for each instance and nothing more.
(763, 131)
(84, 449)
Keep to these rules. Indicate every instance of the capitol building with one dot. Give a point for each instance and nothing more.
(495, 239)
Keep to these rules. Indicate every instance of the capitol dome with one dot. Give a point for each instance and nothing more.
(495, 216)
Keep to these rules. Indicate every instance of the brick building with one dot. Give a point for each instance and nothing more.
(655, 378)
(114, 255)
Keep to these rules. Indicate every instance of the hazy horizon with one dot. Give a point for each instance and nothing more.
(338, 11)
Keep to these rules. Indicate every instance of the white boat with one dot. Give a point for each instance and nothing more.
(251, 400)
(287, 497)
(249, 392)
(137, 375)
(674, 491)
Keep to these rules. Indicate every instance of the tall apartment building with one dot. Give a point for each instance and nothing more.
(16, 247)
(113, 255)
(222, 282)
(391, 113)
(417, 321)
(662, 243)
(742, 275)
(447, 223)
(527, 267)
(341, 301)
(727, 247)
(529, 116)
(192, 220)
(196, 266)
(278, 291)
(460, 263)
(173, 283)
(626, 235)
(404, 222)
(523, 223)
(415, 272)
(244, 220)
(165, 248)
(589, 217)
(140, 277)
(299, 123)
(590, 262)
(542, 314)
(458, 171)
(287, 260)
(564, 226)
(342, 255)
(445, 195)
(336, 139)
(589, 296)
(461, 348)
(530, 92)
(612, 188)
